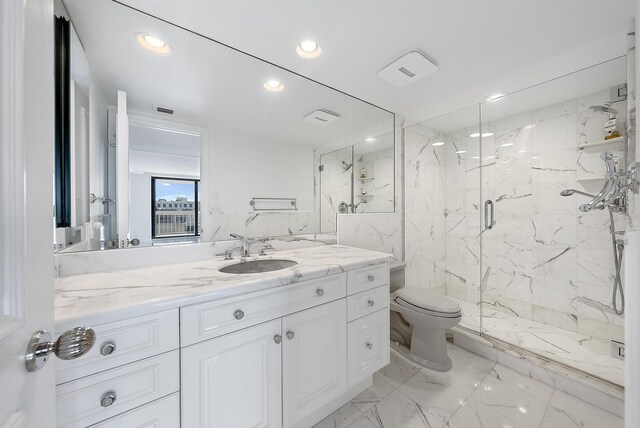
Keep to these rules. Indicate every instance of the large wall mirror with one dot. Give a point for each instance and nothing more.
(164, 136)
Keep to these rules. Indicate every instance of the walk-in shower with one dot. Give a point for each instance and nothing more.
(552, 164)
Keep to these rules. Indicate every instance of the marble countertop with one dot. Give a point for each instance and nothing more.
(96, 298)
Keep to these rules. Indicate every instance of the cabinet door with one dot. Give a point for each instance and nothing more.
(315, 359)
(234, 380)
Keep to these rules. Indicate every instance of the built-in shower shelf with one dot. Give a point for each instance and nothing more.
(616, 140)
(364, 196)
(364, 178)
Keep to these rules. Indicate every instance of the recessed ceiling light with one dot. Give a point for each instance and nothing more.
(369, 139)
(273, 86)
(461, 151)
(506, 145)
(495, 97)
(153, 44)
(484, 134)
(438, 143)
(308, 49)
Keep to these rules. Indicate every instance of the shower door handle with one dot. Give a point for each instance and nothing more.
(489, 219)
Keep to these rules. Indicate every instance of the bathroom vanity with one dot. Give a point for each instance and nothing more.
(187, 345)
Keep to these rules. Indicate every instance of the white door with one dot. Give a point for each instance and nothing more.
(122, 171)
(26, 183)
(234, 380)
(314, 358)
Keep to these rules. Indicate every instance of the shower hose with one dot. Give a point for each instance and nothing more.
(618, 249)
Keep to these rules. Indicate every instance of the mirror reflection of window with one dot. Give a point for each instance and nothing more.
(175, 207)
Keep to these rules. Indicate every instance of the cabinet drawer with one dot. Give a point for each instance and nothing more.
(367, 302)
(122, 342)
(82, 402)
(366, 278)
(164, 413)
(368, 339)
(208, 320)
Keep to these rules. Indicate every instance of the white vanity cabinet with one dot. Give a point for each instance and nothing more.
(283, 357)
(297, 353)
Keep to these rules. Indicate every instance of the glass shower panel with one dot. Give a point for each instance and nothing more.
(442, 209)
(548, 268)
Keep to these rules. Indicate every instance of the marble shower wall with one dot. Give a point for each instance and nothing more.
(377, 231)
(335, 186)
(550, 262)
(378, 166)
(544, 260)
(425, 221)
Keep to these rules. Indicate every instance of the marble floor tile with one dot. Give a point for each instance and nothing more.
(503, 399)
(511, 400)
(466, 374)
(474, 414)
(341, 418)
(399, 370)
(565, 411)
(513, 379)
(399, 411)
(374, 394)
(437, 399)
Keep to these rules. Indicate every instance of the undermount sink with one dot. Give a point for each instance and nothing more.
(258, 266)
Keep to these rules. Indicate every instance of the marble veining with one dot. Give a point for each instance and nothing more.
(476, 393)
(107, 296)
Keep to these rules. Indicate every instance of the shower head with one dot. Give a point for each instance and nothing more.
(569, 192)
(605, 109)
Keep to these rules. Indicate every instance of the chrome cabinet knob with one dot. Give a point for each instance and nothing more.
(108, 399)
(107, 348)
(238, 314)
(320, 292)
(277, 338)
(290, 335)
(71, 344)
(369, 345)
(370, 278)
(371, 302)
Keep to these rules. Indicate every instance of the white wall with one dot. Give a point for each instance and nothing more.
(246, 166)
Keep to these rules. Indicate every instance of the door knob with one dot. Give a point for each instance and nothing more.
(371, 302)
(277, 338)
(320, 292)
(71, 344)
(108, 399)
(239, 314)
(370, 278)
(108, 348)
(290, 335)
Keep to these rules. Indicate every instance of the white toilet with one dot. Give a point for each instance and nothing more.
(429, 314)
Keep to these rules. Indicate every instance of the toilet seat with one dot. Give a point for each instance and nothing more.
(426, 302)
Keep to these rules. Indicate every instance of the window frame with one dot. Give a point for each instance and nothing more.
(196, 201)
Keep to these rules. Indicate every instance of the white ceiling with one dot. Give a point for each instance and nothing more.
(209, 84)
(482, 47)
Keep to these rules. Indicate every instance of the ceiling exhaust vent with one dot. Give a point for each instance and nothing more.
(409, 68)
(163, 110)
(322, 117)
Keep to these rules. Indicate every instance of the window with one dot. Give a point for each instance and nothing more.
(175, 210)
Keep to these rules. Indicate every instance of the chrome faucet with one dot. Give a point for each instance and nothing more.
(245, 243)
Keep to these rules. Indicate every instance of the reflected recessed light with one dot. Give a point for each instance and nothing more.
(153, 44)
(369, 139)
(461, 151)
(495, 97)
(438, 143)
(522, 151)
(506, 145)
(308, 49)
(273, 86)
(490, 157)
(484, 134)
(476, 157)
